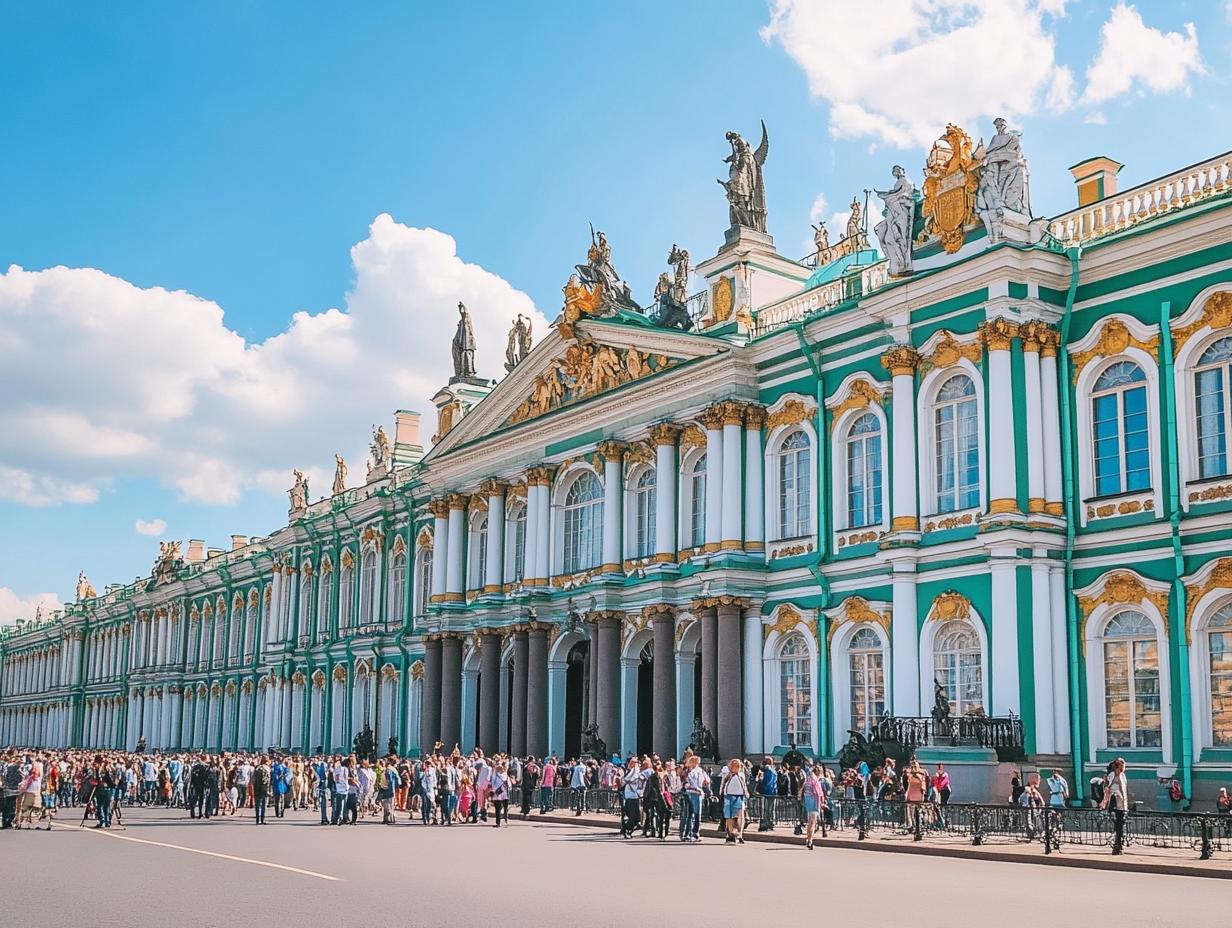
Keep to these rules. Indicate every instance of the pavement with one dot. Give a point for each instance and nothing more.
(164, 869)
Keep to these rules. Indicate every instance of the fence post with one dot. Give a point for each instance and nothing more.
(977, 834)
(1047, 831)
(1206, 837)
(916, 833)
(861, 820)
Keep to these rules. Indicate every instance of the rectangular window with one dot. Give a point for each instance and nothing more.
(1221, 688)
(1137, 441)
(1212, 424)
(1107, 435)
(946, 477)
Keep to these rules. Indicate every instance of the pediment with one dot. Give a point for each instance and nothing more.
(562, 372)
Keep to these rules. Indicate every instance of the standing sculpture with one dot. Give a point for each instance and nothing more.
(599, 275)
(894, 231)
(463, 348)
(678, 258)
(1003, 180)
(855, 237)
(84, 589)
(168, 563)
(340, 472)
(821, 241)
(745, 187)
(299, 492)
(672, 291)
(518, 345)
(382, 455)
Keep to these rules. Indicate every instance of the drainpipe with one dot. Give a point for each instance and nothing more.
(1071, 519)
(1176, 602)
(823, 545)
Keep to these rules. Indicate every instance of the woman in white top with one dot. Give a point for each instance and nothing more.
(735, 793)
(1116, 798)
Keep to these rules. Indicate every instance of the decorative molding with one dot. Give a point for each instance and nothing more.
(1216, 314)
(900, 360)
(998, 334)
(948, 606)
(791, 409)
(664, 433)
(1214, 575)
(943, 349)
(788, 619)
(417, 670)
(1111, 338)
(1121, 588)
(861, 393)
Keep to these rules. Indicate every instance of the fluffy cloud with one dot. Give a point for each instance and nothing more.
(1131, 52)
(105, 380)
(899, 70)
(153, 528)
(13, 607)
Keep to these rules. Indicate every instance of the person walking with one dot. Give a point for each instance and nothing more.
(813, 799)
(734, 789)
(767, 788)
(280, 778)
(499, 794)
(1116, 800)
(695, 785)
(1058, 790)
(632, 786)
(427, 791)
(260, 789)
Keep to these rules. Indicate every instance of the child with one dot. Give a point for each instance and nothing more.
(466, 796)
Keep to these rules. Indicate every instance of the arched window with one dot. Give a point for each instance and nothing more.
(794, 458)
(368, 587)
(237, 622)
(957, 666)
(423, 591)
(695, 499)
(397, 587)
(305, 601)
(346, 597)
(250, 631)
(864, 472)
(1131, 682)
(583, 524)
(1121, 440)
(956, 419)
(515, 543)
(866, 662)
(1213, 390)
(478, 573)
(644, 514)
(1219, 649)
(795, 692)
(325, 602)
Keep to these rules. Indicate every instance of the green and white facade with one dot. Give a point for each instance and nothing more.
(1008, 473)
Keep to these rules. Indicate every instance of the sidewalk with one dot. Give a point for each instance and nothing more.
(1136, 859)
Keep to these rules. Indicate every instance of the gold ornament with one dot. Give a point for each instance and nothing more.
(950, 182)
(1114, 338)
(861, 395)
(1216, 314)
(1121, 587)
(722, 299)
(793, 412)
(998, 333)
(1220, 579)
(948, 352)
(951, 605)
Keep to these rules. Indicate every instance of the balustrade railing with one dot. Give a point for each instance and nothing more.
(955, 731)
(1174, 191)
(828, 295)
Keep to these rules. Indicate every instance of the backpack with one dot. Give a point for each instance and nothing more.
(260, 779)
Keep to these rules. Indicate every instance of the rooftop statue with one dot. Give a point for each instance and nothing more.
(746, 189)
(821, 241)
(463, 348)
(894, 231)
(299, 492)
(614, 293)
(84, 589)
(382, 455)
(672, 292)
(168, 562)
(1003, 179)
(340, 472)
(855, 237)
(518, 345)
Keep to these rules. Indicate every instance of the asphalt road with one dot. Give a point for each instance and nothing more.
(294, 872)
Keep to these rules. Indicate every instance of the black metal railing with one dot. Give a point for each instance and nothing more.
(1048, 828)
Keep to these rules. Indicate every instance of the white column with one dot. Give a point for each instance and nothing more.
(905, 643)
(754, 491)
(686, 710)
(754, 730)
(1050, 407)
(628, 704)
(733, 483)
(1034, 420)
(495, 567)
(1002, 456)
(1060, 661)
(530, 550)
(543, 533)
(130, 725)
(667, 475)
(901, 361)
(271, 626)
(712, 419)
(558, 672)
(455, 569)
(1041, 653)
(470, 691)
(440, 550)
(613, 493)
(1003, 660)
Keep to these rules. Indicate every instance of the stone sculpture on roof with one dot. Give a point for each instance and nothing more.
(745, 186)
(894, 230)
(1002, 180)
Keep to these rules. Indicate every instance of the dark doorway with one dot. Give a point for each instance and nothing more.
(509, 709)
(577, 696)
(697, 690)
(478, 702)
(645, 700)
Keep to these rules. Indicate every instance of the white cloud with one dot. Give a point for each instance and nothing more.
(1095, 119)
(152, 528)
(818, 209)
(899, 70)
(13, 607)
(104, 380)
(1132, 52)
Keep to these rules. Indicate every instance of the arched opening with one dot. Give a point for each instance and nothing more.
(645, 699)
(577, 696)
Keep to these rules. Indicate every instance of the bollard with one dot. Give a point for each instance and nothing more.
(917, 833)
(1207, 827)
(977, 834)
(1048, 831)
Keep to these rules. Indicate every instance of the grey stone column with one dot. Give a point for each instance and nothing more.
(731, 683)
(608, 714)
(489, 692)
(517, 699)
(430, 714)
(664, 739)
(592, 660)
(537, 692)
(451, 691)
(710, 669)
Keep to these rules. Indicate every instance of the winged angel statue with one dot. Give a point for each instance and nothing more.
(746, 190)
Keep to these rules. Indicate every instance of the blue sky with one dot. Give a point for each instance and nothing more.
(203, 173)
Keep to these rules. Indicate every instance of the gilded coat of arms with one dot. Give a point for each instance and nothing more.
(950, 182)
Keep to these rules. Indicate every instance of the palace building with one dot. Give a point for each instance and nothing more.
(987, 474)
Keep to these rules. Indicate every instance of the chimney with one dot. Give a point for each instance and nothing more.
(407, 449)
(1095, 178)
(196, 551)
(238, 541)
(213, 553)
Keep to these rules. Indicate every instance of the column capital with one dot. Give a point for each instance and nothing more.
(665, 433)
(659, 613)
(606, 617)
(754, 416)
(540, 475)
(1032, 335)
(712, 417)
(732, 412)
(493, 487)
(900, 360)
(1049, 339)
(611, 450)
(713, 602)
(996, 334)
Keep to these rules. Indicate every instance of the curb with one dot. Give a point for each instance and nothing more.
(1056, 859)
